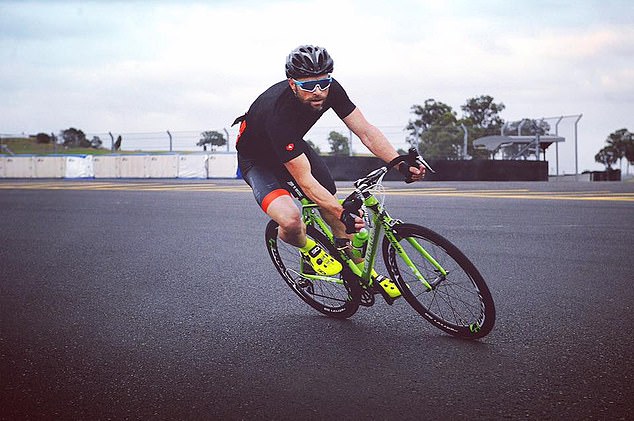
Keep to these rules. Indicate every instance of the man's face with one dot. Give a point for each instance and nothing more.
(315, 99)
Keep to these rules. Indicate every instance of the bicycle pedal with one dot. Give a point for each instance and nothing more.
(379, 286)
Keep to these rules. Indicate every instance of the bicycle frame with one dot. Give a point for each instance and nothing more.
(447, 289)
(381, 221)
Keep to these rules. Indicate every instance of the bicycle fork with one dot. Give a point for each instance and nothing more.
(430, 285)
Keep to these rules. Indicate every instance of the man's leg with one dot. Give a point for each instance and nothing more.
(282, 209)
(278, 204)
(322, 175)
(274, 200)
(291, 227)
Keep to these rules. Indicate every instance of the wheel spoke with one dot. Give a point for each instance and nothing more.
(327, 294)
(459, 302)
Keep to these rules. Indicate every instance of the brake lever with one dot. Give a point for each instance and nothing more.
(412, 159)
(415, 160)
(421, 161)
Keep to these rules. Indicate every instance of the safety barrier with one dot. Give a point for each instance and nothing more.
(342, 168)
(224, 165)
(120, 166)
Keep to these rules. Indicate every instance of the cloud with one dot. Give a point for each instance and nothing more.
(143, 66)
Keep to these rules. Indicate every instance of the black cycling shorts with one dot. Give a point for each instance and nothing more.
(269, 182)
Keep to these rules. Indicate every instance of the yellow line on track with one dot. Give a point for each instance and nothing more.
(525, 194)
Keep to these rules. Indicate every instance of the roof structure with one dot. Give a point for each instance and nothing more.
(494, 143)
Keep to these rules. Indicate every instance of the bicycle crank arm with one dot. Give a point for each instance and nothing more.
(322, 278)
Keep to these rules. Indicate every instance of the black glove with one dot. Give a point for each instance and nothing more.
(351, 207)
(403, 168)
(348, 220)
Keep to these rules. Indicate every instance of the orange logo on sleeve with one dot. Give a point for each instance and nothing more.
(243, 126)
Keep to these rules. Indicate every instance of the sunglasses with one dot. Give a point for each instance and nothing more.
(311, 85)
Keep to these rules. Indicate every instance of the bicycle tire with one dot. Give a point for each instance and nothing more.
(338, 300)
(460, 302)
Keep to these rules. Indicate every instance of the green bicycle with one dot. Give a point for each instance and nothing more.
(431, 273)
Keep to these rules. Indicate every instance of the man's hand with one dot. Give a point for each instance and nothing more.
(352, 222)
(411, 174)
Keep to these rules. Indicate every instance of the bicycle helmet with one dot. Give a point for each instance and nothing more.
(308, 61)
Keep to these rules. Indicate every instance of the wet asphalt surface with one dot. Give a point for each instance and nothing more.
(153, 304)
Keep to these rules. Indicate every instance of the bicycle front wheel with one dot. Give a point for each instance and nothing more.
(331, 296)
(440, 282)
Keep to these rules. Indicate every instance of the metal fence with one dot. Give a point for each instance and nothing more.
(182, 141)
(562, 157)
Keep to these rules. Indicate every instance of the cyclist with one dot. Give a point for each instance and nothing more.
(271, 151)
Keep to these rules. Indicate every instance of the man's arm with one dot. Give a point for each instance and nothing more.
(331, 209)
(371, 137)
(375, 140)
(300, 169)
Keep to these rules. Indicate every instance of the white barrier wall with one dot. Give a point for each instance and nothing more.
(19, 167)
(192, 166)
(222, 166)
(106, 166)
(79, 167)
(49, 166)
(161, 166)
(132, 166)
(120, 166)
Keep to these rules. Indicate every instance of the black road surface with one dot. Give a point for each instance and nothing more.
(157, 300)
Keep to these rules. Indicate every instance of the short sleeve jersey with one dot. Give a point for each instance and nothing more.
(277, 122)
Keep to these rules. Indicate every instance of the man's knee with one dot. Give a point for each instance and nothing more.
(284, 211)
(290, 219)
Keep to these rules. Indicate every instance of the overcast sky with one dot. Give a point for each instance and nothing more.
(143, 66)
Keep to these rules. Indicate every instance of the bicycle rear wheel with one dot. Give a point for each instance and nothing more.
(333, 297)
(459, 302)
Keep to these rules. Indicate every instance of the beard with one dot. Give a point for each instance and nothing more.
(314, 105)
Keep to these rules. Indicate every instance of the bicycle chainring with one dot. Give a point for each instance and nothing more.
(367, 297)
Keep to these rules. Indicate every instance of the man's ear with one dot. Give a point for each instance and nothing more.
(292, 85)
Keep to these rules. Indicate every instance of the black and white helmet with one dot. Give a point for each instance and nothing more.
(308, 61)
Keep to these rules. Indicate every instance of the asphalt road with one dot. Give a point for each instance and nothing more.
(157, 300)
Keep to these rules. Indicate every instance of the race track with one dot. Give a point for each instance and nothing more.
(157, 300)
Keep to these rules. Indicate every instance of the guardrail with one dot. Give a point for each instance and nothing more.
(120, 166)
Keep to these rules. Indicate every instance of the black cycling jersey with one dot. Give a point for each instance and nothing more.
(273, 130)
(269, 182)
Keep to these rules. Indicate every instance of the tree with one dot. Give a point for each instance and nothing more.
(432, 113)
(629, 151)
(315, 147)
(441, 142)
(339, 144)
(622, 141)
(481, 117)
(213, 138)
(435, 131)
(607, 156)
(43, 138)
(483, 113)
(74, 138)
(528, 127)
(96, 142)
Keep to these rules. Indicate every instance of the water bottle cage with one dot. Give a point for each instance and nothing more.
(343, 244)
(359, 252)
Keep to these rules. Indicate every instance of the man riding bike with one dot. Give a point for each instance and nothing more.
(271, 151)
